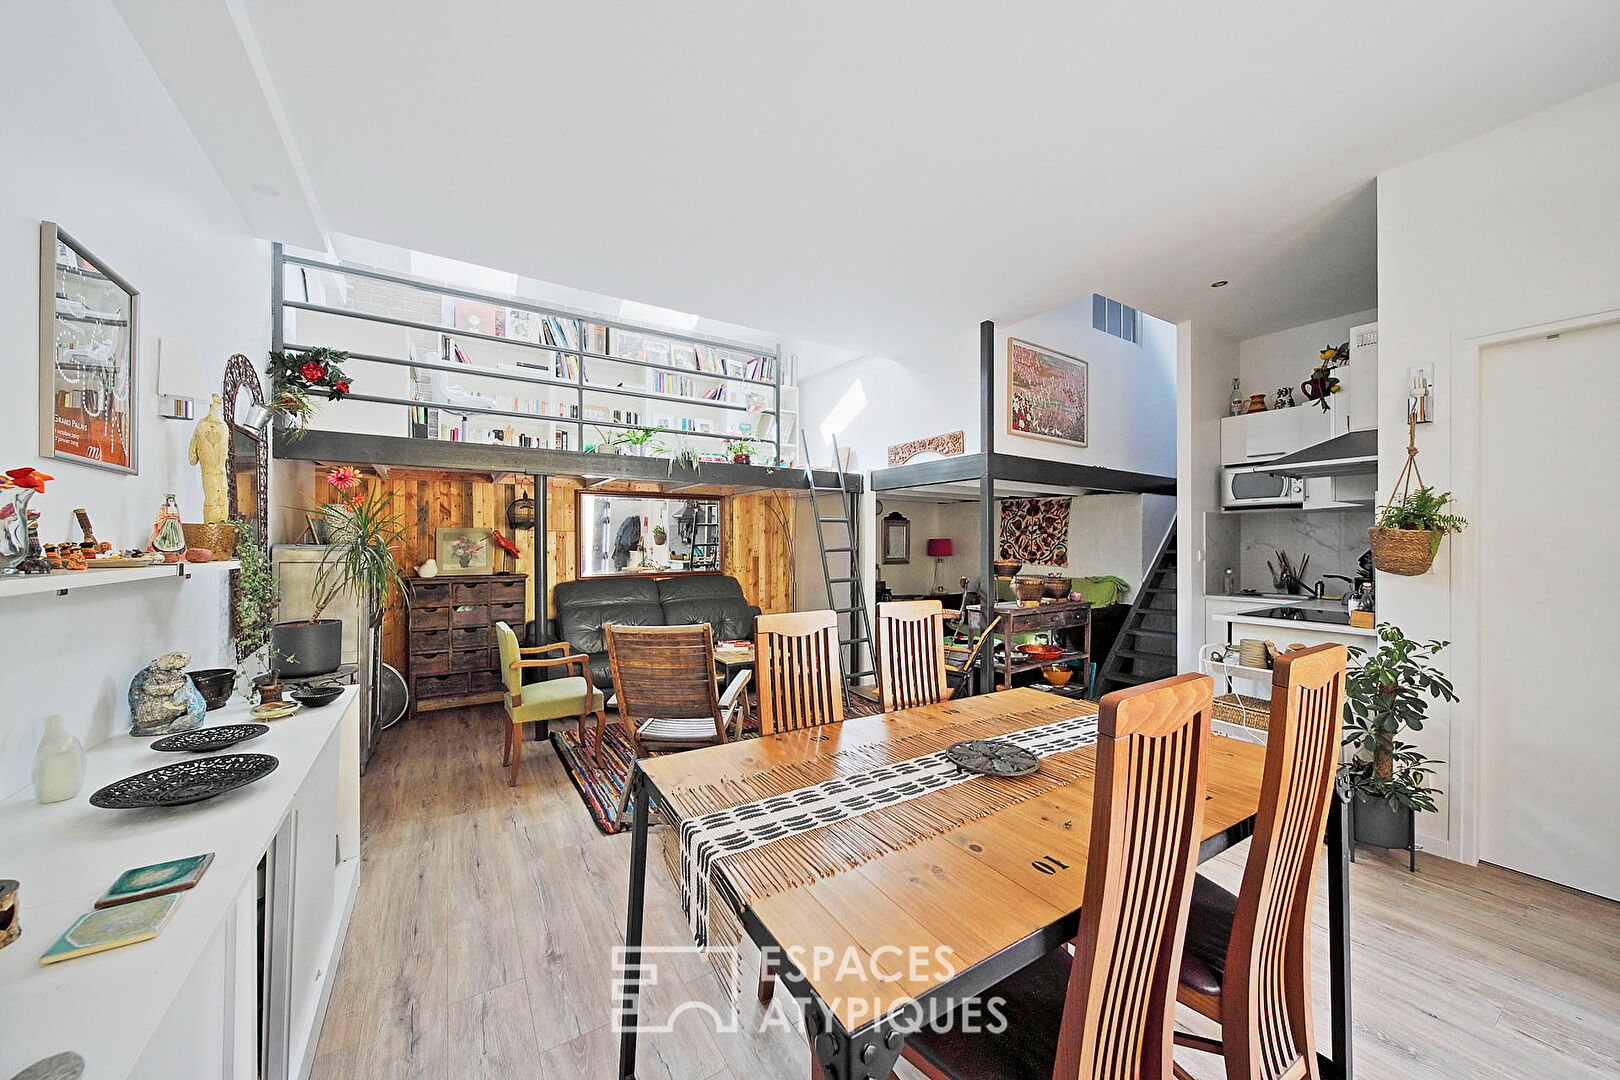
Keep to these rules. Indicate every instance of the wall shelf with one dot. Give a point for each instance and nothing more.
(65, 581)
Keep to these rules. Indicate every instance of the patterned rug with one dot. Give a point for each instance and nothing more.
(600, 787)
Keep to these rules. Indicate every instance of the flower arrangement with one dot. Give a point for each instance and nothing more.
(298, 378)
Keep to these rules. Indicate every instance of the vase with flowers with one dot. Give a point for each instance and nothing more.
(298, 379)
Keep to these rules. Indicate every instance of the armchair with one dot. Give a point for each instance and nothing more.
(553, 699)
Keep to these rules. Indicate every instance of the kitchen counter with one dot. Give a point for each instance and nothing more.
(1315, 618)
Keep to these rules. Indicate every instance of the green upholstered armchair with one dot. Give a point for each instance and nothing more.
(553, 699)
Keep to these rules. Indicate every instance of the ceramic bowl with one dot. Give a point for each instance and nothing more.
(315, 696)
(1057, 676)
(215, 684)
(1041, 652)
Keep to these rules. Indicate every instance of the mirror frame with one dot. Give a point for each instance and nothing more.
(580, 536)
(240, 375)
(899, 524)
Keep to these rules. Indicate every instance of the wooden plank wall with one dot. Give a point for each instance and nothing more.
(757, 530)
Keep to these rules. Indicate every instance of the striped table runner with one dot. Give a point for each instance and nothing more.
(752, 837)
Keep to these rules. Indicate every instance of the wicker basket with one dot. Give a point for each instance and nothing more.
(1006, 568)
(1028, 588)
(1057, 586)
(1405, 552)
(220, 538)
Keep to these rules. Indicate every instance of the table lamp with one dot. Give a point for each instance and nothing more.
(939, 548)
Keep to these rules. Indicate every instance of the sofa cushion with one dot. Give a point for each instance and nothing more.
(584, 607)
(715, 599)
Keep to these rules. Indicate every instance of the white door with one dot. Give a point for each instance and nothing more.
(1549, 634)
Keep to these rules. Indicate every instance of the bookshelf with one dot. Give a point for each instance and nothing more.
(461, 365)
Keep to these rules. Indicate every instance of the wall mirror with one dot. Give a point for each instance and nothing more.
(896, 538)
(88, 329)
(249, 460)
(642, 533)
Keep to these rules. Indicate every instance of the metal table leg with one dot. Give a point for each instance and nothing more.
(629, 1003)
(1340, 847)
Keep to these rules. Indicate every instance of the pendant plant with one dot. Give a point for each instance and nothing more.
(1422, 509)
(1384, 697)
(298, 378)
(361, 532)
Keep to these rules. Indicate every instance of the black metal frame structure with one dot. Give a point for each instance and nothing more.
(871, 1050)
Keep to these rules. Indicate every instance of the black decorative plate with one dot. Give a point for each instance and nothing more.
(210, 738)
(185, 782)
(991, 757)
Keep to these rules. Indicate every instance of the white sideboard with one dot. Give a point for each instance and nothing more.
(191, 1002)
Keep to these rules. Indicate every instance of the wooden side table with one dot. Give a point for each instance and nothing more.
(1070, 618)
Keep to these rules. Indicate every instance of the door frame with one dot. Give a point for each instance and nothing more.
(1464, 742)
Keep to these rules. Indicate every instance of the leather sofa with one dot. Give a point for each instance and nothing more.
(587, 605)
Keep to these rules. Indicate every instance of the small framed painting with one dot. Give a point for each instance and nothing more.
(464, 551)
(1047, 394)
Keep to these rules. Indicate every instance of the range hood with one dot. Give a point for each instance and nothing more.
(1343, 455)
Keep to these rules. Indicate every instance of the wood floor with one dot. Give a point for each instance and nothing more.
(480, 946)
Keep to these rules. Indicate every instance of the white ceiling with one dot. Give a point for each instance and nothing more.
(870, 175)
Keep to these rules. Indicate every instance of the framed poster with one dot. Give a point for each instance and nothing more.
(463, 551)
(1047, 394)
(88, 328)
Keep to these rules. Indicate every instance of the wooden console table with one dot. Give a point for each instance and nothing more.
(1071, 618)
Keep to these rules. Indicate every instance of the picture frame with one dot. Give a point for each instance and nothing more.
(89, 332)
(463, 551)
(896, 539)
(1048, 394)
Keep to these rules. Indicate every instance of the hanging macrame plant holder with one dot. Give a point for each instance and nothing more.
(1404, 552)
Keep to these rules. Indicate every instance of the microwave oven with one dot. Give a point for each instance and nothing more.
(1247, 487)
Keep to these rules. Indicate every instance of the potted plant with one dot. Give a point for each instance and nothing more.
(254, 602)
(637, 439)
(1385, 697)
(681, 453)
(606, 443)
(741, 451)
(1408, 532)
(297, 379)
(360, 530)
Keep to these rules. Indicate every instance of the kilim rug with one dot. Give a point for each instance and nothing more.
(599, 788)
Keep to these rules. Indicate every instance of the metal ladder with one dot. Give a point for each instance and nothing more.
(852, 613)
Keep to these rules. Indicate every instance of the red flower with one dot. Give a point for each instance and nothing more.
(28, 478)
(343, 386)
(312, 371)
(344, 478)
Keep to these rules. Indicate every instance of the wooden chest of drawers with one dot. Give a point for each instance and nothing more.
(451, 655)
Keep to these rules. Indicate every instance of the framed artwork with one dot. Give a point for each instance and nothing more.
(1047, 394)
(463, 551)
(88, 327)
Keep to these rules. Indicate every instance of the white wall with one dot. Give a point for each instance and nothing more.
(1515, 229)
(1286, 357)
(1206, 364)
(92, 142)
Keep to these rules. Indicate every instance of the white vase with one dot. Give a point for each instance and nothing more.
(58, 764)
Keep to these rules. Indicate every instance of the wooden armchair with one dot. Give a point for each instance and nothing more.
(553, 699)
(911, 654)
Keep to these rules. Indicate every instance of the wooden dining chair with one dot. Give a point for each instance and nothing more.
(664, 679)
(911, 654)
(1247, 961)
(551, 699)
(1107, 1011)
(799, 677)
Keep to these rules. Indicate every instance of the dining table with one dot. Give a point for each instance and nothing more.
(983, 875)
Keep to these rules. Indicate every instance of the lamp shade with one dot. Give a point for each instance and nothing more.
(939, 548)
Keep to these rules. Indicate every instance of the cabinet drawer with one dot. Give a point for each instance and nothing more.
(469, 615)
(430, 596)
(506, 591)
(484, 681)
(430, 641)
(430, 618)
(432, 686)
(475, 593)
(510, 613)
(469, 637)
(437, 663)
(470, 660)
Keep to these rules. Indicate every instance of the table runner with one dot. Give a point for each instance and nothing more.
(751, 837)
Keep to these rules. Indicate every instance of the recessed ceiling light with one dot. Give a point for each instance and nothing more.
(266, 189)
(1221, 284)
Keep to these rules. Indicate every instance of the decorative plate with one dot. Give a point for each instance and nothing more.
(184, 782)
(274, 711)
(210, 738)
(992, 757)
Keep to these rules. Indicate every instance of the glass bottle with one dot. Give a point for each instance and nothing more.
(58, 763)
(1237, 406)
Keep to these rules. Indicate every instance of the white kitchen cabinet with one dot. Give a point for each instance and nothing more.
(1255, 438)
(1359, 410)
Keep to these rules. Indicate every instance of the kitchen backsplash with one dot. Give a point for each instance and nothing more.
(1334, 539)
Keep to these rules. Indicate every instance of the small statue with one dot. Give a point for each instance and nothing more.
(210, 445)
(167, 535)
(1284, 398)
(163, 699)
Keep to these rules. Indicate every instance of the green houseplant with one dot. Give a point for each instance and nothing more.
(297, 379)
(741, 451)
(253, 604)
(1387, 693)
(1409, 530)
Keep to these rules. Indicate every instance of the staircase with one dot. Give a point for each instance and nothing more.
(841, 569)
(1146, 647)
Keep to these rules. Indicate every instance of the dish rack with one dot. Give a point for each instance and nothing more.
(1243, 728)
